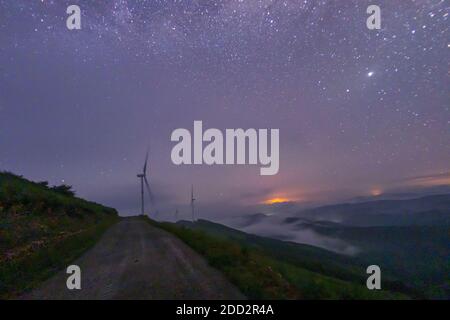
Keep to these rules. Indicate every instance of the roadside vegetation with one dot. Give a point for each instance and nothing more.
(261, 276)
(42, 229)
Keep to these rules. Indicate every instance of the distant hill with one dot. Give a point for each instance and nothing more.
(408, 238)
(413, 259)
(418, 255)
(413, 194)
(429, 210)
(411, 238)
(307, 257)
(41, 229)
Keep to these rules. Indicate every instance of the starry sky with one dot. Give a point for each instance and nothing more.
(361, 112)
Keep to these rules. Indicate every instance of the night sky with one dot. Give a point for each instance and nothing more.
(361, 112)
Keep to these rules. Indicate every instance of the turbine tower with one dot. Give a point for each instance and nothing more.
(143, 177)
(192, 202)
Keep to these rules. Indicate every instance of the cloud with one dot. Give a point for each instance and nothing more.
(273, 227)
(428, 180)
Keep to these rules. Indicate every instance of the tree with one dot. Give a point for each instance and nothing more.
(64, 189)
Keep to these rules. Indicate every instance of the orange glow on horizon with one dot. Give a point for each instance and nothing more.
(376, 192)
(277, 200)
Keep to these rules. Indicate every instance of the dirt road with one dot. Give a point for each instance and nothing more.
(134, 260)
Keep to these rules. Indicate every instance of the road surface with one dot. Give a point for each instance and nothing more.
(134, 260)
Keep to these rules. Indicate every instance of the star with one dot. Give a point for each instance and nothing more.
(370, 74)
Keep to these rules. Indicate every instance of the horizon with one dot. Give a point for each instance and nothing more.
(280, 207)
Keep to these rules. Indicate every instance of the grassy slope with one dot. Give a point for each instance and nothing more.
(41, 231)
(261, 275)
(308, 257)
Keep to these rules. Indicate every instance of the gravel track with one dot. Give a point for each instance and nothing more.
(134, 260)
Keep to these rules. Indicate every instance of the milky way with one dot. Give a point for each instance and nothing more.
(359, 111)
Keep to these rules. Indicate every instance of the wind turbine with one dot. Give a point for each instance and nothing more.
(143, 177)
(192, 202)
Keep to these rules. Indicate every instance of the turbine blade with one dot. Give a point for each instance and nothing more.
(149, 190)
(145, 164)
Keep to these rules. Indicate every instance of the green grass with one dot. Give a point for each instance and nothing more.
(304, 256)
(42, 230)
(24, 273)
(261, 276)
